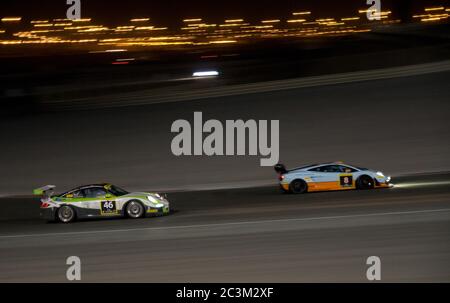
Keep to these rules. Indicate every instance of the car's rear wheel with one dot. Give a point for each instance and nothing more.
(298, 186)
(66, 214)
(365, 182)
(134, 209)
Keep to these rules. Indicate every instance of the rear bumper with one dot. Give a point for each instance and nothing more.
(48, 213)
(284, 186)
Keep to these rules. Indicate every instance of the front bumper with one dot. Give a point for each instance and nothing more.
(153, 212)
(383, 182)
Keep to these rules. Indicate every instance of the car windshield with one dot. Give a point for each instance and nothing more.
(361, 168)
(117, 191)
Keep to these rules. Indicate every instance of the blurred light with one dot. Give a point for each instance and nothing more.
(108, 51)
(43, 25)
(223, 41)
(296, 20)
(11, 19)
(233, 20)
(142, 28)
(271, 21)
(430, 9)
(140, 20)
(430, 19)
(301, 13)
(205, 74)
(192, 20)
(420, 184)
(350, 18)
(82, 20)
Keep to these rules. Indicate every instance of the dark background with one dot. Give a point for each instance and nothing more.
(171, 12)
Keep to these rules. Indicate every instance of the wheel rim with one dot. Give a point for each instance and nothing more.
(134, 210)
(366, 182)
(65, 214)
(297, 186)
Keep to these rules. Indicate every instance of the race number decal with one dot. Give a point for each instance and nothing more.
(108, 207)
(346, 180)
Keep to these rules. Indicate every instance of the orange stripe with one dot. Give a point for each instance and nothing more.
(333, 185)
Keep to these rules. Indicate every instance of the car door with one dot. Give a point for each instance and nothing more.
(325, 177)
(75, 198)
(346, 178)
(101, 200)
(331, 176)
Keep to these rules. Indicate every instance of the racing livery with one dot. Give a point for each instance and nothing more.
(99, 200)
(328, 177)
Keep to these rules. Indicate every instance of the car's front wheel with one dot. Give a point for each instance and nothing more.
(66, 214)
(365, 182)
(134, 209)
(298, 186)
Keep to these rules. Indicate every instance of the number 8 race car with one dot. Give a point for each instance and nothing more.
(99, 200)
(328, 177)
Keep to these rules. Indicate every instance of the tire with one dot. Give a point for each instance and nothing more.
(298, 186)
(365, 182)
(134, 210)
(66, 214)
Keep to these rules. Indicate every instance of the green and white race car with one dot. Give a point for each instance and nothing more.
(99, 200)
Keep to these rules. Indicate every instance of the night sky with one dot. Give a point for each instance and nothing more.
(170, 12)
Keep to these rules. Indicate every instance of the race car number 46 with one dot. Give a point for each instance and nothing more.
(108, 207)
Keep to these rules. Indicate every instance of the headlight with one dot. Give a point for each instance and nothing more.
(380, 174)
(152, 199)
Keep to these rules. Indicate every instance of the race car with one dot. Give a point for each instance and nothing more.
(329, 177)
(99, 200)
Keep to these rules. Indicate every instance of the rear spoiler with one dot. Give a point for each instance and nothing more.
(46, 191)
(280, 168)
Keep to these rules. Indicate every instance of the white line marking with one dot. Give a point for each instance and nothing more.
(230, 223)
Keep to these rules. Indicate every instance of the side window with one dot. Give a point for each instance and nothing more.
(74, 194)
(317, 169)
(346, 169)
(94, 192)
(331, 169)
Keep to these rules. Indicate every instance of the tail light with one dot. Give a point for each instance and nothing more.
(45, 205)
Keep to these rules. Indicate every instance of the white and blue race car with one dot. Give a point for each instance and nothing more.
(329, 177)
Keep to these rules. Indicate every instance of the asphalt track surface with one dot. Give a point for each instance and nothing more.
(396, 125)
(255, 234)
(246, 235)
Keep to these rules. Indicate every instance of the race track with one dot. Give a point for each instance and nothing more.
(253, 234)
(398, 126)
(246, 235)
